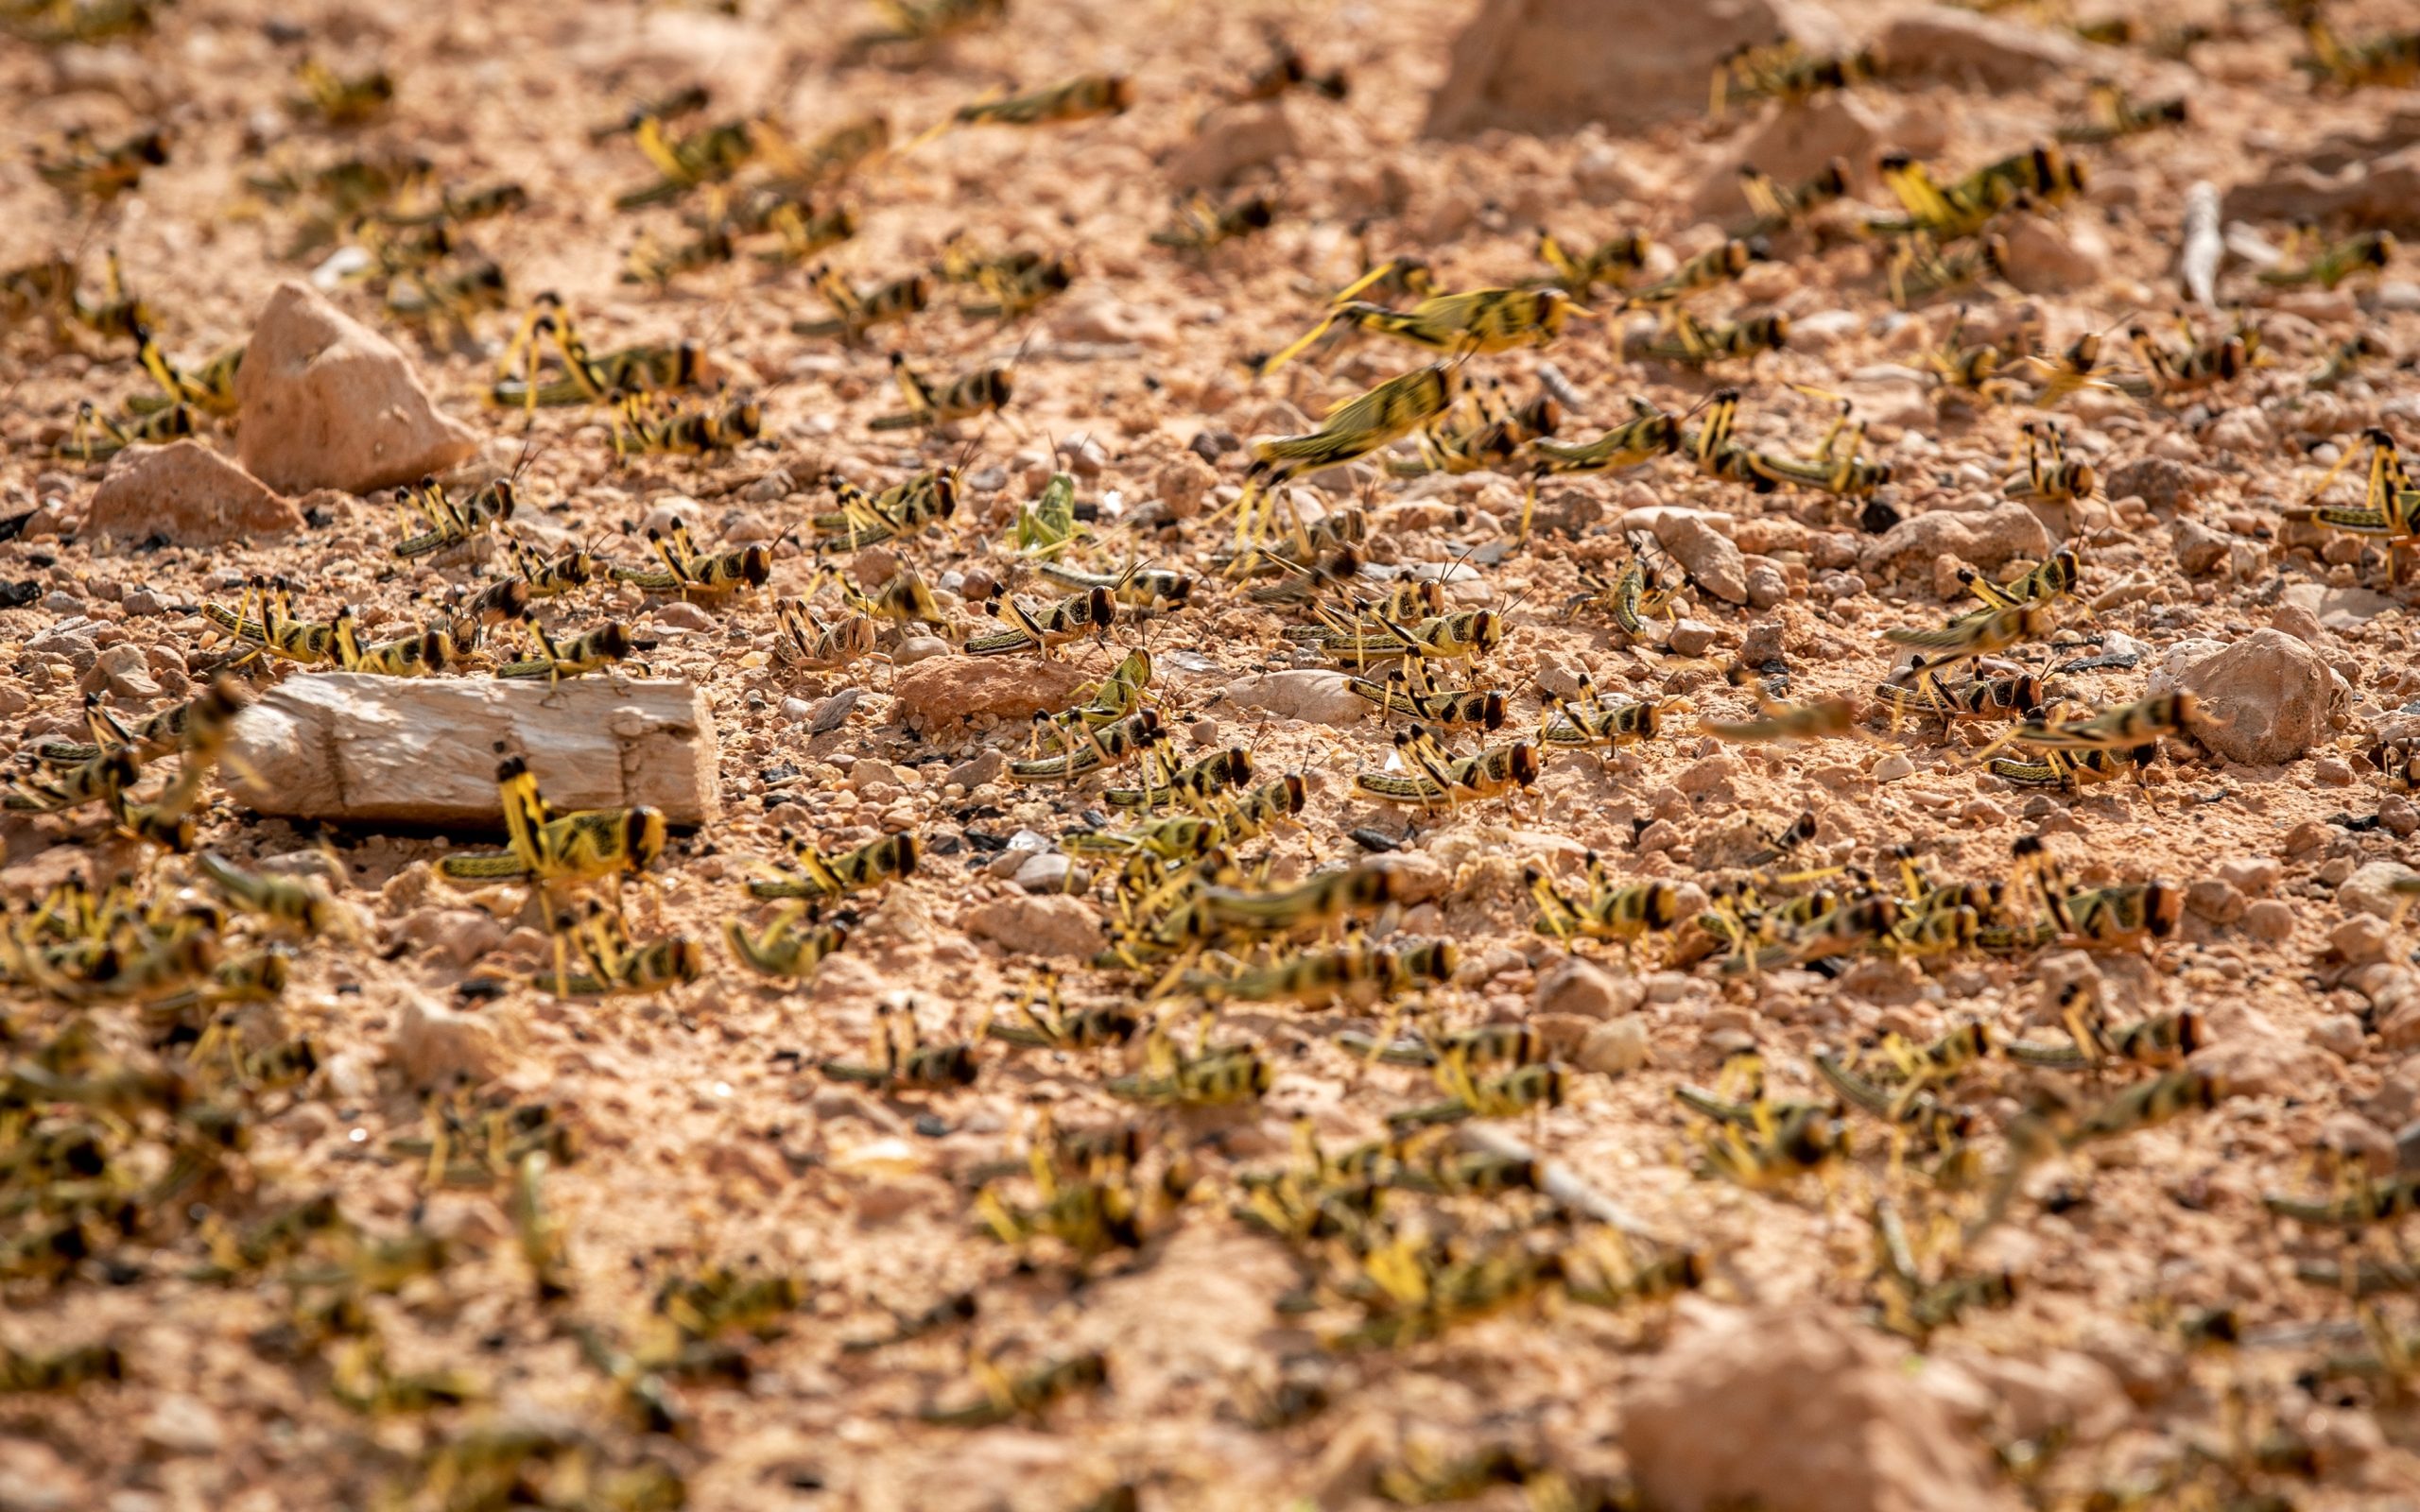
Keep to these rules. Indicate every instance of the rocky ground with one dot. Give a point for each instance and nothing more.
(548, 1353)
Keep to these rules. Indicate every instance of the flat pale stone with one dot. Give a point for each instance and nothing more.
(360, 748)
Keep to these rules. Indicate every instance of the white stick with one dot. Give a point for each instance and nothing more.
(2197, 264)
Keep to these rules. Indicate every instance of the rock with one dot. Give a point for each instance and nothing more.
(1232, 139)
(462, 1218)
(658, 48)
(678, 511)
(987, 767)
(461, 936)
(1054, 925)
(2270, 919)
(870, 771)
(1098, 316)
(1984, 539)
(2396, 1008)
(2243, 429)
(1084, 454)
(1691, 637)
(2163, 483)
(2265, 700)
(1794, 146)
(2361, 939)
(2059, 1391)
(183, 1425)
(1413, 877)
(2251, 1058)
(1578, 986)
(828, 715)
(1549, 65)
(328, 403)
(1614, 1048)
(34, 1477)
(917, 648)
(434, 1046)
(2337, 608)
(2384, 192)
(2198, 548)
(2297, 622)
(2254, 874)
(1798, 1407)
(1963, 45)
(680, 614)
(1712, 560)
(1562, 1032)
(771, 489)
(2064, 977)
(1767, 584)
(351, 747)
(1045, 873)
(1307, 694)
(1712, 774)
(2045, 257)
(121, 670)
(2340, 1035)
(936, 694)
(190, 494)
(71, 638)
(2220, 902)
(2366, 890)
(1183, 482)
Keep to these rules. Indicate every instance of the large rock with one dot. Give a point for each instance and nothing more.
(2384, 191)
(1979, 538)
(934, 694)
(1550, 65)
(1308, 694)
(188, 493)
(1961, 45)
(351, 747)
(327, 402)
(1799, 1407)
(2265, 700)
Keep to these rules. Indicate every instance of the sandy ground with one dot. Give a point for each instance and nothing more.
(701, 1136)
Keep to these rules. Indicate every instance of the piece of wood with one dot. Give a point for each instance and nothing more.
(350, 747)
